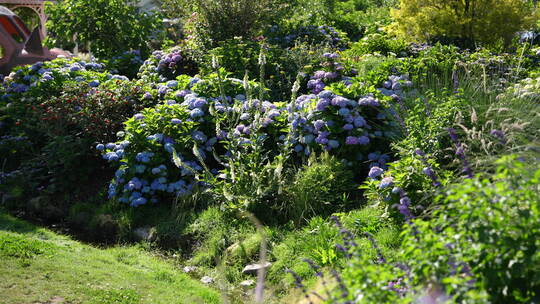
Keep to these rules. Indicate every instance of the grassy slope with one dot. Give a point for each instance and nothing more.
(38, 266)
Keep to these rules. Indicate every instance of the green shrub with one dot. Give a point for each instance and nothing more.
(466, 22)
(221, 20)
(323, 186)
(240, 56)
(109, 27)
(378, 43)
(127, 63)
(485, 237)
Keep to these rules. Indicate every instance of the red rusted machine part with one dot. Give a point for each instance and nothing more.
(20, 45)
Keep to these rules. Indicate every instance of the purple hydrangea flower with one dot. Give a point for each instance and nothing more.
(351, 140)
(322, 104)
(386, 182)
(375, 172)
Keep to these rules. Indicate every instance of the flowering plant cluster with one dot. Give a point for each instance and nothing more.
(163, 149)
(167, 65)
(47, 78)
(95, 113)
(201, 118)
(128, 63)
(145, 150)
(340, 116)
(312, 34)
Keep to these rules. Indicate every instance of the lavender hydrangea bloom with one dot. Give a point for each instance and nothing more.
(138, 116)
(325, 94)
(331, 55)
(351, 140)
(322, 104)
(162, 90)
(319, 124)
(176, 121)
(147, 96)
(386, 182)
(319, 75)
(330, 75)
(375, 172)
(359, 122)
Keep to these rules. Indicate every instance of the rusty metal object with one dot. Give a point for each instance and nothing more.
(20, 45)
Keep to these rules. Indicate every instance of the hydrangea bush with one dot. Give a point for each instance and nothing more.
(216, 119)
(127, 63)
(163, 148)
(341, 115)
(167, 65)
(323, 34)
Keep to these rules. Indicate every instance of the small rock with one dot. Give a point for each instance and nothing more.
(207, 280)
(188, 269)
(247, 283)
(254, 268)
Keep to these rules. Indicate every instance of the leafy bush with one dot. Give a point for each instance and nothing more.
(354, 17)
(377, 43)
(62, 108)
(466, 22)
(322, 187)
(221, 20)
(240, 56)
(310, 34)
(332, 119)
(486, 237)
(178, 134)
(109, 27)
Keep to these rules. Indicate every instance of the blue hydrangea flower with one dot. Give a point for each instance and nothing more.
(344, 112)
(386, 182)
(363, 140)
(196, 113)
(176, 121)
(333, 144)
(172, 84)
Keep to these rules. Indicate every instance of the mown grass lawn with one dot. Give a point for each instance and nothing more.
(40, 266)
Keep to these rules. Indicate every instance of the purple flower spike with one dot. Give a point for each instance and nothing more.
(460, 152)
